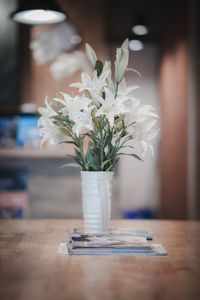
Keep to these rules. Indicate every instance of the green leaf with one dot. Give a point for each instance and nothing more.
(87, 94)
(135, 71)
(131, 124)
(78, 154)
(113, 165)
(128, 146)
(70, 142)
(61, 118)
(133, 155)
(58, 122)
(93, 162)
(76, 159)
(118, 119)
(64, 131)
(71, 165)
(66, 142)
(104, 163)
(136, 156)
(99, 67)
(95, 119)
(87, 156)
(71, 156)
(94, 138)
(109, 139)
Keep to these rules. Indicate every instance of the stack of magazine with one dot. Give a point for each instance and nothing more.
(117, 241)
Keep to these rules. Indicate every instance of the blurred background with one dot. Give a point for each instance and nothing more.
(42, 54)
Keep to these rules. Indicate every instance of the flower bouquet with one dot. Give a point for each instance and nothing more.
(107, 116)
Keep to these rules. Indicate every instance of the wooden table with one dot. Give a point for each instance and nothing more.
(31, 269)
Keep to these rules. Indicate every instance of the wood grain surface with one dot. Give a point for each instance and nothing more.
(31, 269)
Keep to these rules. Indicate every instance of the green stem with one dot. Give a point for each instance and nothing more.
(81, 150)
(116, 89)
(101, 138)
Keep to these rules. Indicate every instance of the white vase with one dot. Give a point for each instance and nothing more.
(96, 200)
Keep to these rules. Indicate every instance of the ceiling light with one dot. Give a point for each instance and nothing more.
(38, 12)
(140, 24)
(76, 39)
(39, 16)
(140, 29)
(136, 45)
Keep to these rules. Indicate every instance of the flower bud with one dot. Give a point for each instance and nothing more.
(91, 55)
(121, 61)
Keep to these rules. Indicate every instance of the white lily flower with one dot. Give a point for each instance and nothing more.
(94, 84)
(121, 62)
(124, 90)
(71, 104)
(82, 120)
(111, 106)
(107, 67)
(141, 119)
(46, 111)
(48, 130)
(138, 112)
(144, 132)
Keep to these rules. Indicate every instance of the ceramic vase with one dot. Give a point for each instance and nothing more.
(96, 200)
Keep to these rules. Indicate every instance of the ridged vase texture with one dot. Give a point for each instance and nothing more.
(96, 200)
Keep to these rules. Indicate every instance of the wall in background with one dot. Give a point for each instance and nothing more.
(179, 79)
(140, 182)
(8, 54)
(173, 83)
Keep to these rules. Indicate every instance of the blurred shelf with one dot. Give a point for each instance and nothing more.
(36, 153)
